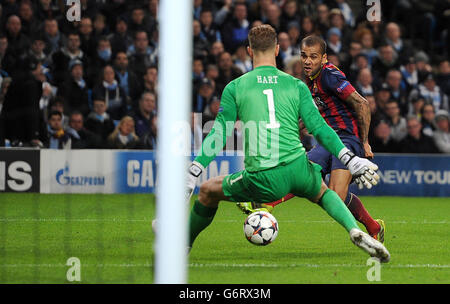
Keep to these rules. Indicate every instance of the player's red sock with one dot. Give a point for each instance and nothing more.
(281, 200)
(360, 213)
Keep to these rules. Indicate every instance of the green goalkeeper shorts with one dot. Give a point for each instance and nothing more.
(299, 177)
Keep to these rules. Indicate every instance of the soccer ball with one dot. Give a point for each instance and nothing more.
(261, 228)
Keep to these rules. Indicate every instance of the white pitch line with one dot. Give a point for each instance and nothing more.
(93, 220)
(233, 265)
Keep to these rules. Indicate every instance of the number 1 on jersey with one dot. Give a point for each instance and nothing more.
(273, 124)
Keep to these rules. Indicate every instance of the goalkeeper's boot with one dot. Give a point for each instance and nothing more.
(379, 236)
(373, 247)
(251, 207)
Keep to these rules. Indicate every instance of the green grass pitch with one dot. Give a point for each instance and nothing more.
(111, 236)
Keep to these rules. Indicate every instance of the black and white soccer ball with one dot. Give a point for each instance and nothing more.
(261, 228)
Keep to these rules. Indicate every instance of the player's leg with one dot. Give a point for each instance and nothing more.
(205, 207)
(335, 207)
(340, 180)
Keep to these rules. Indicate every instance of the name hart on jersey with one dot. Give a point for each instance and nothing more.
(267, 79)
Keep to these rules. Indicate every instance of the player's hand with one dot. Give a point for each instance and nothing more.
(195, 169)
(363, 170)
(368, 151)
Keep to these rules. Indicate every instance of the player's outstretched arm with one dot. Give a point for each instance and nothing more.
(216, 139)
(362, 110)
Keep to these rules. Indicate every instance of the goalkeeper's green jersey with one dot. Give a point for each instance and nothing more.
(269, 103)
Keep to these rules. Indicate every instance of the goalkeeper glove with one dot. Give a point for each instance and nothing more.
(195, 169)
(362, 170)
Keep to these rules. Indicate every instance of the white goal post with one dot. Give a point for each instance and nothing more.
(175, 90)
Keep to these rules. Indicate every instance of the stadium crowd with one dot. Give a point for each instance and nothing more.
(94, 83)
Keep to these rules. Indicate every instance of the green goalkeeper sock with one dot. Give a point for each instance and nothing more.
(200, 218)
(335, 207)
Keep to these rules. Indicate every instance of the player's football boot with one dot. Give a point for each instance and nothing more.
(380, 235)
(373, 247)
(250, 207)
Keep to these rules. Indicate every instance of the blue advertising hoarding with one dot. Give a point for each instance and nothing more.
(136, 170)
(411, 175)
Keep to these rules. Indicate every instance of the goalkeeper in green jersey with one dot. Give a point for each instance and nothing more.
(270, 102)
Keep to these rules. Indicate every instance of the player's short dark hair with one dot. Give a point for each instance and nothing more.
(315, 40)
(262, 38)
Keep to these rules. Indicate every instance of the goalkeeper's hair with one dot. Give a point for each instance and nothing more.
(262, 38)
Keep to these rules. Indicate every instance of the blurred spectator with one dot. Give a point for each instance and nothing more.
(88, 39)
(99, 59)
(443, 77)
(140, 54)
(138, 21)
(386, 60)
(290, 13)
(37, 49)
(123, 136)
(422, 65)
(74, 90)
(364, 82)
(227, 71)
(242, 60)
(57, 137)
(30, 24)
(365, 37)
(410, 77)
(209, 29)
(53, 37)
(293, 30)
(394, 39)
(396, 122)
(382, 96)
(442, 134)
(235, 31)
(416, 105)
(149, 139)
(258, 10)
(212, 109)
(273, 17)
(216, 49)
(416, 141)
(128, 81)
(100, 26)
(60, 60)
(197, 69)
(349, 60)
(109, 90)
(200, 42)
(212, 72)
(337, 19)
(427, 119)
(334, 43)
(18, 43)
(81, 137)
(58, 104)
(147, 109)
(120, 38)
(398, 93)
(21, 106)
(47, 9)
(98, 121)
(151, 80)
(382, 141)
(306, 29)
(346, 12)
(287, 51)
(203, 95)
(323, 18)
(432, 93)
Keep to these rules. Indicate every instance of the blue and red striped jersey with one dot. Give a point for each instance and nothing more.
(329, 89)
